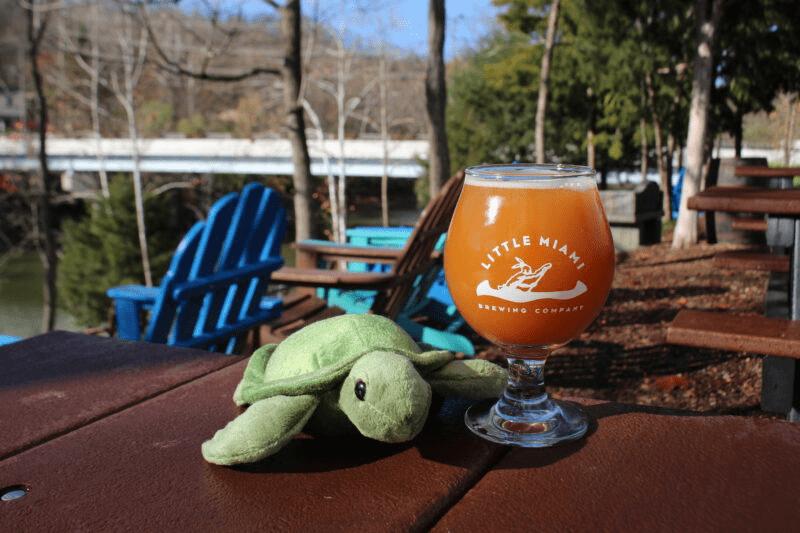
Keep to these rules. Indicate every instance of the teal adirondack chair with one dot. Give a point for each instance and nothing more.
(214, 290)
(401, 291)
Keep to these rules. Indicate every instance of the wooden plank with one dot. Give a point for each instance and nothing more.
(740, 333)
(299, 310)
(141, 470)
(749, 224)
(752, 261)
(760, 171)
(340, 250)
(747, 200)
(333, 278)
(53, 383)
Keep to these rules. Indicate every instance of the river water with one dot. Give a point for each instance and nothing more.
(21, 298)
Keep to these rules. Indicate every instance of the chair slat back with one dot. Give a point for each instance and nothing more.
(416, 258)
(223, 253)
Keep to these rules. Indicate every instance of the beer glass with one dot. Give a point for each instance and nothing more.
(529, 262)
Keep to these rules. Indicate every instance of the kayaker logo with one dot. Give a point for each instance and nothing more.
(519, 287)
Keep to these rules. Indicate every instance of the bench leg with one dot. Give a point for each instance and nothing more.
(777, 385)
(711, 227)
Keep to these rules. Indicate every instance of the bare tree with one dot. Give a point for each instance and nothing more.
(544, 80)
(36, 18)
(330, 180)
(290, 71)
(707, 24)
(132, 54)
(345, 108)
(93, 68)
(436, 98)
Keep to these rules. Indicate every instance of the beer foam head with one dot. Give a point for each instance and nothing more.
(532, 176)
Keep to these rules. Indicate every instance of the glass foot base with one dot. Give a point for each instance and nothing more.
(559, 422)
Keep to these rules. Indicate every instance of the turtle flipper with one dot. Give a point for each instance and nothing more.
(471, 378)
(253, 376)
(263, 429)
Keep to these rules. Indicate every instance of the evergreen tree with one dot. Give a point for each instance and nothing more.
(101, 250)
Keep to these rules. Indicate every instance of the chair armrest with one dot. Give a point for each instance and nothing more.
(136, 293)
(332, 251)
(333, 279)
(129, 300)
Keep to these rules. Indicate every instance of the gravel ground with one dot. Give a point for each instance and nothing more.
(623, 355)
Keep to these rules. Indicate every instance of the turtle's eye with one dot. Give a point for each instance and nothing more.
(361, 389)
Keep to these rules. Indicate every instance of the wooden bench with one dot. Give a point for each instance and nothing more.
(739, 333)
(749, 224)
(752, 261)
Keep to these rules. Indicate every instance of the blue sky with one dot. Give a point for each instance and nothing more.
(404, 23)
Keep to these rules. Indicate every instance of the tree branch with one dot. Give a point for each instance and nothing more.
(175, 67)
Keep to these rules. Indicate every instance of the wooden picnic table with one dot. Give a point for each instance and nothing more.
(762, 171)
(756, 176)
(104, 435)
(774, 335)
(775, 203)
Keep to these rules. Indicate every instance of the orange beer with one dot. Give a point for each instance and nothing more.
(529, 262)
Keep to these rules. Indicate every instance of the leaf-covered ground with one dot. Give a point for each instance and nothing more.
(623, 355)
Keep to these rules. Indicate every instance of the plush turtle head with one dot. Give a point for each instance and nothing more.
(385, 397)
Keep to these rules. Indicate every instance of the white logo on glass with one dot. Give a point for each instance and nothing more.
(519, 287)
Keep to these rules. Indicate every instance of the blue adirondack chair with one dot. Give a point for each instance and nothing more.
(213, 292)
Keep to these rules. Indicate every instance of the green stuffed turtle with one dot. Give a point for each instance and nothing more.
(351, 372)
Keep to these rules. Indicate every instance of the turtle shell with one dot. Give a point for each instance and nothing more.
(319, 356)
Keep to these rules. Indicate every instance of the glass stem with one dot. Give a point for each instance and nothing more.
(525, 393)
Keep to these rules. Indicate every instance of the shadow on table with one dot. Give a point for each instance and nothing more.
(540, 457)
(444, 439)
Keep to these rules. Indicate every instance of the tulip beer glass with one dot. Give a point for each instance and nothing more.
(529, 262)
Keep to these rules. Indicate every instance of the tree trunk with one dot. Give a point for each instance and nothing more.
(46, 241)
(133, 58)
(738, 134)
(661, 163)
(788, 138)
(436, 99)
(686, 226)
(341, 122)
(591, 149)
(643, 153)
(384, 140)
(94, 75)
(295, 121)
(544, 81)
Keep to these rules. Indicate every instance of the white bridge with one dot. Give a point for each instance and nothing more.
(362, 158)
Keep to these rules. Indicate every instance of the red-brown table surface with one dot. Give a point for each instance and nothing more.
(53, 383)
(645, 470)
(639, 469)
(141, 470)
